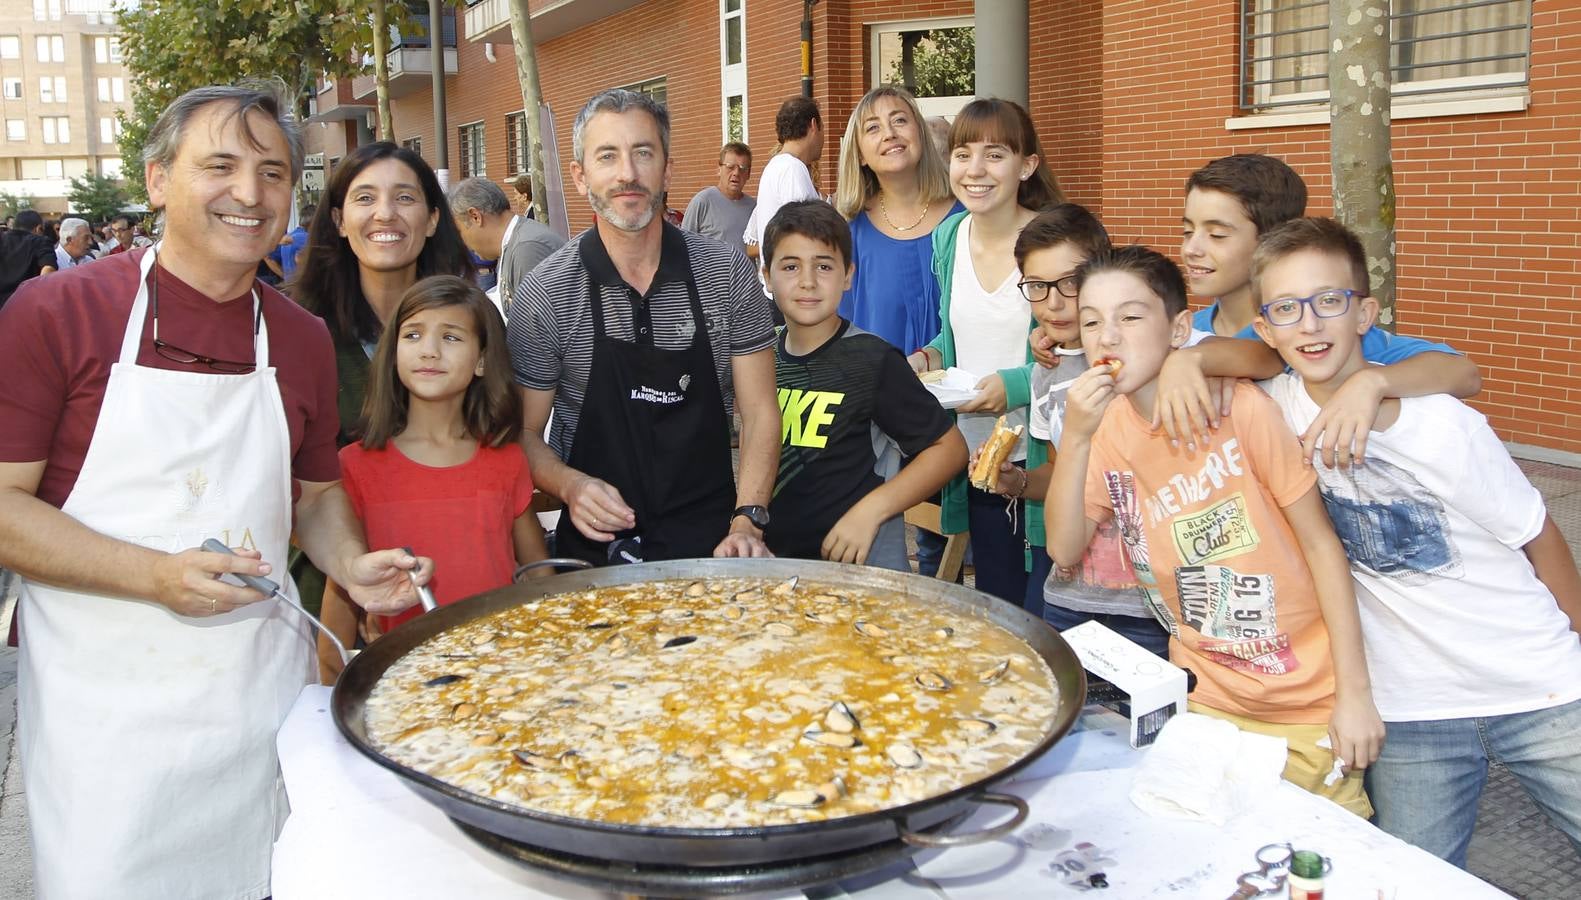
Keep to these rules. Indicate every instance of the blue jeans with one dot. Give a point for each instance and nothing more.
(1145, 632)
(1426, 782)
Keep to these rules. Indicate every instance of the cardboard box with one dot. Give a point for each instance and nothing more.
(1147, 689)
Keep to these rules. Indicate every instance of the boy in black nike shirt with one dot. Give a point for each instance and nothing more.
(841, 392)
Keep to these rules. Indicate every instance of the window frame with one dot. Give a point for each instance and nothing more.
(928, 106)
(516, 141)
(732, 76)
(1251, 102)
(468, 153)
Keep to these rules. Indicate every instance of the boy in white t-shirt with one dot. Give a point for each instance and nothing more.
(1470, 601)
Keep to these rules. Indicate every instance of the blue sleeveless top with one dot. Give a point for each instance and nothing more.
(894, 294)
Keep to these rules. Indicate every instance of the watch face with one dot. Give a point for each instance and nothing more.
(757, 515)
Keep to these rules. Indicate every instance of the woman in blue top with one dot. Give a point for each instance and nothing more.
(894, 188)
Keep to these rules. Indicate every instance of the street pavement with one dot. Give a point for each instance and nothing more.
(1514, 847)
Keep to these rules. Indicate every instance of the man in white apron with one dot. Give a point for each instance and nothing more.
(161, 400)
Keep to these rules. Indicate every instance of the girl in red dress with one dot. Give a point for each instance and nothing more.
(438, 468)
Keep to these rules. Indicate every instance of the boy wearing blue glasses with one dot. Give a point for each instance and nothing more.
(1470, 602)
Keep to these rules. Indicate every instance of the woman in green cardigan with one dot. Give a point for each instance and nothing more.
(998, 172)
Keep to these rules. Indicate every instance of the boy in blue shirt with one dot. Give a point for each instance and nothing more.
(1230, 203)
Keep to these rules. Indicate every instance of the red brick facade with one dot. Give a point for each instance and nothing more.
(1129, 97)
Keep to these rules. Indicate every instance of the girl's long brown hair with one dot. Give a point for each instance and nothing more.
(491, 409)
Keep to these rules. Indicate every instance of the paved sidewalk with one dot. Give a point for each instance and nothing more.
(1514, 848)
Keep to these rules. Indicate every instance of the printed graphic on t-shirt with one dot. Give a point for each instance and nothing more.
(1128, 517)
(1186, 490)
(1220, 532)
(806, 415)
(1234, 613)
(1389, 523)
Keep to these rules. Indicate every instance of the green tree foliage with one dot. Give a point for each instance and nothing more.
(172, 46)
(11, 204)
(97, 197)
(943, 63)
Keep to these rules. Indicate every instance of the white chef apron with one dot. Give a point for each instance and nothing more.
(147, 738)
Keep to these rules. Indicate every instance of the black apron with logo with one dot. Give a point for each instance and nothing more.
(653, 424)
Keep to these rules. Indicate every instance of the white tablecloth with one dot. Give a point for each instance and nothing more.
(355, 831)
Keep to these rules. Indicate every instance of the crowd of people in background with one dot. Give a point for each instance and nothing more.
(1149, 484)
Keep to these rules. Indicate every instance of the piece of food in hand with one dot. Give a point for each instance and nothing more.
(994, 453)
(1114, 365)
(932, 376)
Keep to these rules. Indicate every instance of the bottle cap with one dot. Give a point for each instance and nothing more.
(1306, 864)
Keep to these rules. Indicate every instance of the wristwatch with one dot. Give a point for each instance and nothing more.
(757, 515)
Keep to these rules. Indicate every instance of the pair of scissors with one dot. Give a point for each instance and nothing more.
(1273, 865)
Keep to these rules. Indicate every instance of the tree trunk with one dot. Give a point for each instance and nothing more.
(1359, 151)
(532, 99)
(381, 71)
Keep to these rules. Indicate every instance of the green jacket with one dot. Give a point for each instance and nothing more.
(1018, 390)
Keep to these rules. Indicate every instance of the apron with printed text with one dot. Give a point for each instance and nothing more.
(148, 738)
(653, 424)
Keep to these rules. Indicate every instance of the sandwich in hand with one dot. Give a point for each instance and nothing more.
(994, 453)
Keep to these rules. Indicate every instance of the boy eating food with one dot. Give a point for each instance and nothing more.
(1229, 541)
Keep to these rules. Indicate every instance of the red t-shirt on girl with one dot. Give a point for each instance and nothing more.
(460, 516)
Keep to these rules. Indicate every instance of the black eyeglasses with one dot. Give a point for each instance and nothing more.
(1325, 305)
(173, 353)
(1036, 291)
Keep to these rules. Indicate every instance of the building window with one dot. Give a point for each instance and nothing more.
(13, 89)
(1436, 47)
(657, 88)
(472, 158)
(117, 89)
(106, 49)
(15, 130)
(935, 59)
(109, 129)
(414, 144)
(735, 119)
(52, 90)
(515, 144)
(54, 168)
(51, 47)
(110, 167)
(10, 47)
(733, 68)
(57, 129)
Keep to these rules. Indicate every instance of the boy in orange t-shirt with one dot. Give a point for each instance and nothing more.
(1229, 540)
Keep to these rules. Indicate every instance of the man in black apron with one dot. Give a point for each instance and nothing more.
(636, 334)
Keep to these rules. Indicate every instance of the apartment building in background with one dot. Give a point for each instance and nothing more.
(1129, 97)
(61, 85)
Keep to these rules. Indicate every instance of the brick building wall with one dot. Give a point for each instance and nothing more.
(1129, 97)
(1488, 212)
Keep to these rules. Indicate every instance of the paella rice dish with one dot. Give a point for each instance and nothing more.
(715, 704)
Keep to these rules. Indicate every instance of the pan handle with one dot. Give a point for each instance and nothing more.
(557, 562)
(975, 837)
